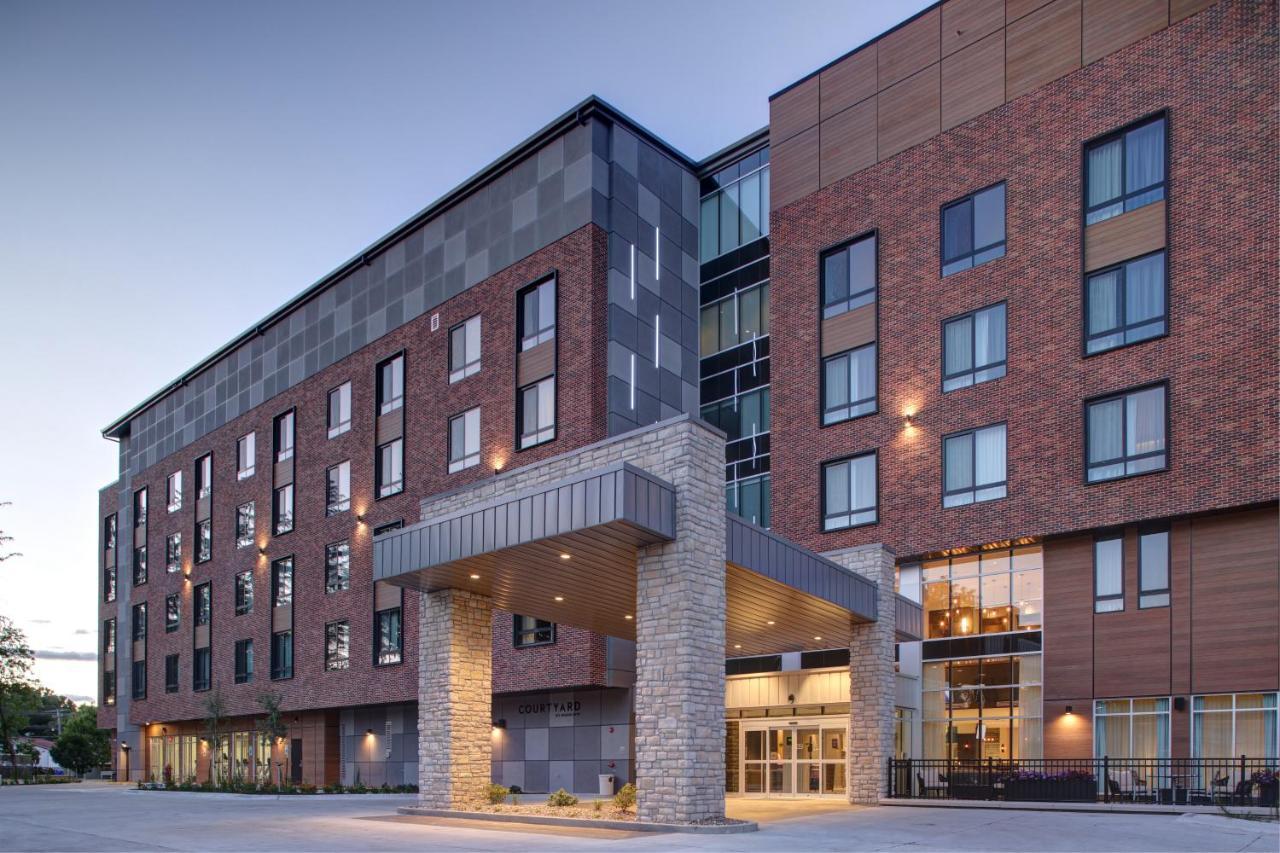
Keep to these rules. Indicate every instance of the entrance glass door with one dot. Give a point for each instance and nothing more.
(801, 759)
(781, 758)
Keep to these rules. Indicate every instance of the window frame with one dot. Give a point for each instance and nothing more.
(196, 593)
(537, 630)
(844, 245)
(330, 548)
(1003, 364)
(974, 251)
(278, 671)
(382, 404)
(467, 460)
(206, 654)
(173, 491)
(554, 428)
(140, 569)
(172, 667)
(1109, 136)
(275, 582)
(340, 658)
(252, 527)
(279, 451)
(1153, 529)
(823, 410)
(243, 653)
(243, 601)
(203, 476)
(377, 636)
(974, 487)
(172, 626)
(334, 430)
(381, 489)
(252, 451)
(1100, 537)
(544, 333)
(459, 372)
(1121, 395)
(822, 491)
(140, 509)
(332, 508)
(278, 519)
(173, 552)
(1121, 298)
(204, 525)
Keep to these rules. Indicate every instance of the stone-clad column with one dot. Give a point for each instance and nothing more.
(680, 612)
(871, 680)
(455, 669)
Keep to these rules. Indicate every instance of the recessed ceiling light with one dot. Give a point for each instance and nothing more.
(475, 577)
(628, 617)
(817, 638)
(564, 556)
(737, 645)
(559, 598)
(770, 622)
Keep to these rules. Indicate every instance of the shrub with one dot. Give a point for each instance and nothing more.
(625, 799)
(333, 788)
(562, 798)
(497, 793)
(308, 788)
(597, 806)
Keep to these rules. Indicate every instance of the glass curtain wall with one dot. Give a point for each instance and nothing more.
(990, 592)
(980, 708)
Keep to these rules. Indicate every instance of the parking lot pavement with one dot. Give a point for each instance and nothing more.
(100, 816)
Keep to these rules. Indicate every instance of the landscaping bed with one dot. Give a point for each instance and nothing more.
(273, 790)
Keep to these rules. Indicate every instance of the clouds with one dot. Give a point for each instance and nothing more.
(81, 632)
(59, 654)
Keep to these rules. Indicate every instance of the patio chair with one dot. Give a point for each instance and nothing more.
(928, 790)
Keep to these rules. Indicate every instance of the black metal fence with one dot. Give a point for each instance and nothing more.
(1239, 781)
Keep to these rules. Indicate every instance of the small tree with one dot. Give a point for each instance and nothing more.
(272, 723)
(5, 540)
(82, 746)
(18, 691)
(215, 712)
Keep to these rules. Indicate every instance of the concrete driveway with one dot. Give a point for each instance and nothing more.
(101, 816)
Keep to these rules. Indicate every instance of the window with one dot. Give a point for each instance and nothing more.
(537, 318)
(1153, 568)
(1132, 728)
(992, 591)
(203, 606)
(282, 655)
(172, 613)
(977, 709)
(750, 499)
(244, 456)
(201, 668)
(109, 583)
(528, 631)
(973, 230)
(140, 565)
(388, 527)
(282, 582)
(973, 348)
(173, 552)
(337, 566)
(1233, 725)
(282, 431)
(139, 622)
(742, 416)
(171, 674)
(1125, 171)
(1126, 303)
(387, 636)
(340, 410)
(245, 521)
(282, 509)
(204, 476)
(464, 440)
(738, 213)
(536, 412)
(464, 349)
(1108, 574)
(390, 468)
(140, 679)
(244, 661)
(736, 319)
(391, 384)
(140, 509)
(849, 384)
(338, 489)
(849, 277)
(337, 646)
(204, 540)
(849, 492)
(109, 533)
(974, 466)
(1126, 434)
(174, 491)
(244, 593)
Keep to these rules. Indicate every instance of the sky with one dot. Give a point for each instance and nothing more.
(172, 172)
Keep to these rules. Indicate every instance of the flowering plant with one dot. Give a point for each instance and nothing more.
(1266, 776)
(1060, 776)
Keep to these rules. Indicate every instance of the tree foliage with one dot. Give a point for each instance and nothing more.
(5, 540)
(82, 746)
(272, 723)
(19, 695)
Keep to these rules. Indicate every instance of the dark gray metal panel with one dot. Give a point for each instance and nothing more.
(909, 619)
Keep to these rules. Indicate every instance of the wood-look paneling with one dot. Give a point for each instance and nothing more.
(910, 112)
(109, 557)
(1109, 25)
(1042, 47)
(849, 81)
(139, 650)
(1180, 608)
(973, 81)
(1141, 638)
(201, 637)
(793, 172)
(385, 595)
(282, 473)
(793, 111)
(204, 507)
(909, 48)
(537, 363)
(1125, 236)
(848, 330)
(390, 426)
(1179, 9)
(140, 536)
(1068, 618)
(1068, 735)
(1235, 596)
(964, 22)
(282, 618)
(1015, 9)
(848, 142)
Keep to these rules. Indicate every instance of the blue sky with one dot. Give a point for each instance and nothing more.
(171, 172)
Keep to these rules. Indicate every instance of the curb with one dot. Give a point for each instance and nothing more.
(587, 823)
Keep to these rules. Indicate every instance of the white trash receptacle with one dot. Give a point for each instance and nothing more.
(606, 785)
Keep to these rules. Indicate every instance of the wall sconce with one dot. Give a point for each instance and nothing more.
(360, 518)
(909, 420)
(368, 732)
(791, 698)
(1070, 711)
(262, 551)
(500, 724)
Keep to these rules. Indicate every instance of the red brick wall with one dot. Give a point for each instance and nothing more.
(576, 658)
(429, 401)
(1215, 72)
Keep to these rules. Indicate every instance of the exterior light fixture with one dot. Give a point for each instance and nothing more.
(262, 551)
(1070, 711)
(770, 622)
(360, 518)
(368, 732)
(564, 556)
(500, 723)
(817, 638)
(737, 645)
(628, 617)
(559, 598)
(909, 419)
(475, 577)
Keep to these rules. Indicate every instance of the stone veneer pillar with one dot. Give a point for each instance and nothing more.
(680, 612)
(871, 680)
(455, 682)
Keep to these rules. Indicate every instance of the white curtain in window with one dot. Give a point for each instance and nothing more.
(1143, 289)
(1102, 302)
(864, 483)
(1145, 421)
(988, 217)
(1108, 566)
(989, 336)
(863, 375)
(957, 230)
(990, 452)
(1105, 430)
(547, 403)
(1150, 736)
(837, 489)
(958, 356)
(1144, 156)
(838, 383)
(1104, 172)
(959, 463)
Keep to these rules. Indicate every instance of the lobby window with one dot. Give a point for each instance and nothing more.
(1131, 728)
(245, 451)
(204, 476)
(244, 592)
(536, 412)
(1232, 725)
(282, 655)
(140, 679)
(1126, 303)
(738, 212)
(173, 489)
(973, 348)
(992, 591)
(139, 622)
(1125, 434)
(973, 230)
(742, 416)
(389, 471)
(464, 440)
(1153, 568)
(387, 636)
(1108, 574)
(974, 466)
(337, 489)
(173, 552)
(527, 631)
(537, 319)
(751, 499)
(282, 509)
(140, 509)
(140, 565)
(282, 436)
(849, 385)
(171, 674)
(337, 646)
(982, 708)
(464, 349)
(1125, 170)
(246, 519)
(203, 606)
(340, 410)
(172, 613)
(737, 319)
(337, 566)
(849, 277)
(849, 492)
(244, 661)
(201, 669)
(204, 540)
(282, 582)
(391, 384)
